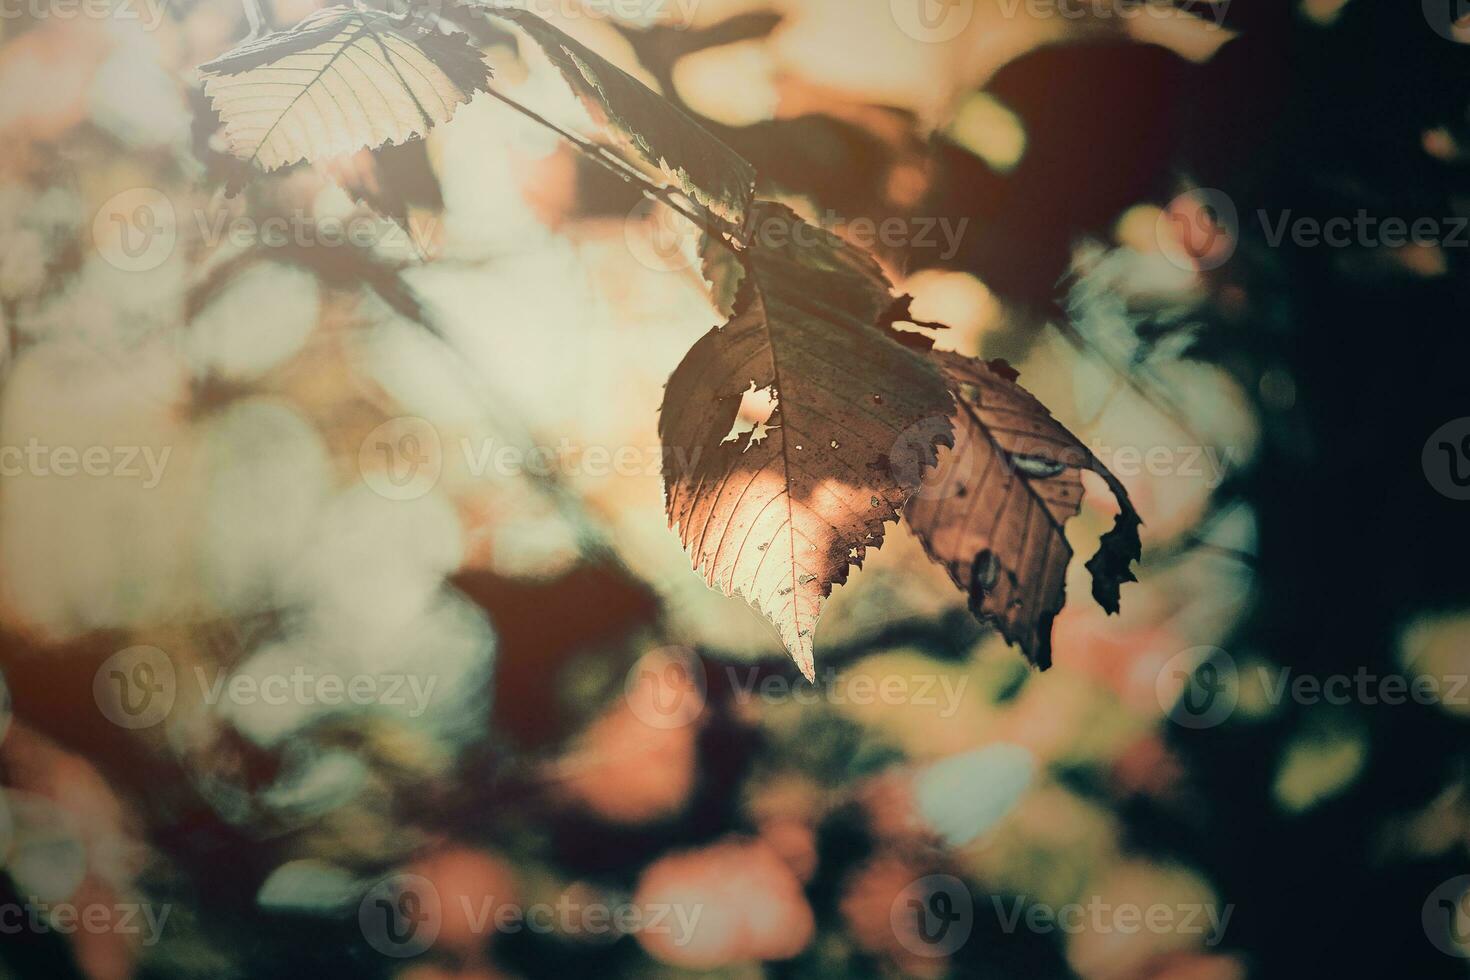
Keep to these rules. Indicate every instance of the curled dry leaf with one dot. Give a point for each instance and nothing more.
(795, 432)
(341, 80)
(994, 511)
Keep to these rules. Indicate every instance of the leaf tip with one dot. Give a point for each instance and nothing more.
(1042, 659)
(1111, 567)
(804, 663)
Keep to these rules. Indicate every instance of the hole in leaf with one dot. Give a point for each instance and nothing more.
(985, 572)
(1037, 467)
(757, 405)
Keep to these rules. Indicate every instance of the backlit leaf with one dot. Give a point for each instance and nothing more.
(994, 511)
(840, 418)
(341, 80)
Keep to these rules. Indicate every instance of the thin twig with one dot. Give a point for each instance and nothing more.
(718, 229)
(255, 17)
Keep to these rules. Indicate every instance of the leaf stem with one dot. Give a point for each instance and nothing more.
(718, 229)
(255, 17)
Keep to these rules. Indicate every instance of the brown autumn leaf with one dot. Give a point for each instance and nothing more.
(994, 511)
(795, 432)
(343, 79)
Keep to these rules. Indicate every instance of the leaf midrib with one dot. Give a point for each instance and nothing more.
(361, 27)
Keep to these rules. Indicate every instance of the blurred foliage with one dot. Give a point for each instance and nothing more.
(518, 305)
